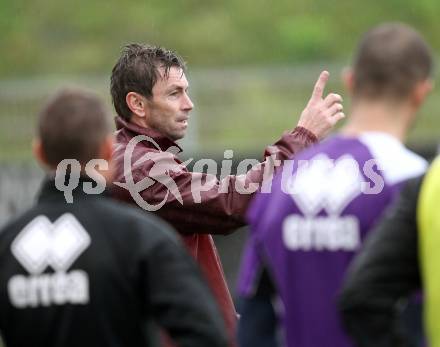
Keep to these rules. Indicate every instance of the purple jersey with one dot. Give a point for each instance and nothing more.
(307, 230)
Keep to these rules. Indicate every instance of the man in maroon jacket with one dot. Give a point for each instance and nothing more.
(149, 92)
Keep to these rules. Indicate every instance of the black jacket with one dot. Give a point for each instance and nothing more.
(385, 272)
(94, 273)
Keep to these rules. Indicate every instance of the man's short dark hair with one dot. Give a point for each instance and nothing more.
(73, 125)
(137, 70)
(390, 60)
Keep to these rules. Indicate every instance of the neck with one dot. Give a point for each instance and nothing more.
(139, 121)
(102, 175)
(392, 118)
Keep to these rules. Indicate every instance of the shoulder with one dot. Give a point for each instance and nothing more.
(17, 223)
(126, 219)
(308, 166)
(397, 162)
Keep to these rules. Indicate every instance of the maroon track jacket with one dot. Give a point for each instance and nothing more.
(195, 213)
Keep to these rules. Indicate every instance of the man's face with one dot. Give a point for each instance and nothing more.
(168, 110)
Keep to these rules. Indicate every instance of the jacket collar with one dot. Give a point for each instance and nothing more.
(49, 191)
(163, 141)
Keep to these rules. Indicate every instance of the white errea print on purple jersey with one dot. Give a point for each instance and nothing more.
(306, 232)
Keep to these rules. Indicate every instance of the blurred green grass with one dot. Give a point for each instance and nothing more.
(47, 36)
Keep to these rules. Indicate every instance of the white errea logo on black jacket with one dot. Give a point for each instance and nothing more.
(41, 244)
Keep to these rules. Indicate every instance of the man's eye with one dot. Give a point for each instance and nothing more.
(174, 93)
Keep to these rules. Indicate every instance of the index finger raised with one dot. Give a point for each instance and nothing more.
(318, 90)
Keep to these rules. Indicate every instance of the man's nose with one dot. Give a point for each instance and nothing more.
(187, 103)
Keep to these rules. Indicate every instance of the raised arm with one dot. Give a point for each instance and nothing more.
(202, 203)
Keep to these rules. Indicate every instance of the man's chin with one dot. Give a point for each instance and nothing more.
(178, 136)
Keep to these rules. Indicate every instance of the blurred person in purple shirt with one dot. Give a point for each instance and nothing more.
(321, 206)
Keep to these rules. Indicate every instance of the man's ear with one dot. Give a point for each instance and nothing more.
(347, 77)
(137, 104)
(38, 151)
(421, 91)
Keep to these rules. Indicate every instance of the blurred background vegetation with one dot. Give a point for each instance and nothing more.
(252, 64)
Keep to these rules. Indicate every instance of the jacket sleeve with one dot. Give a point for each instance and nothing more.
(179, 300)
(205, 204)
(385, 271)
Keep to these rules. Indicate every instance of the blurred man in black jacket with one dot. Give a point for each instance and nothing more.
(388, 270)
(79, 269)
